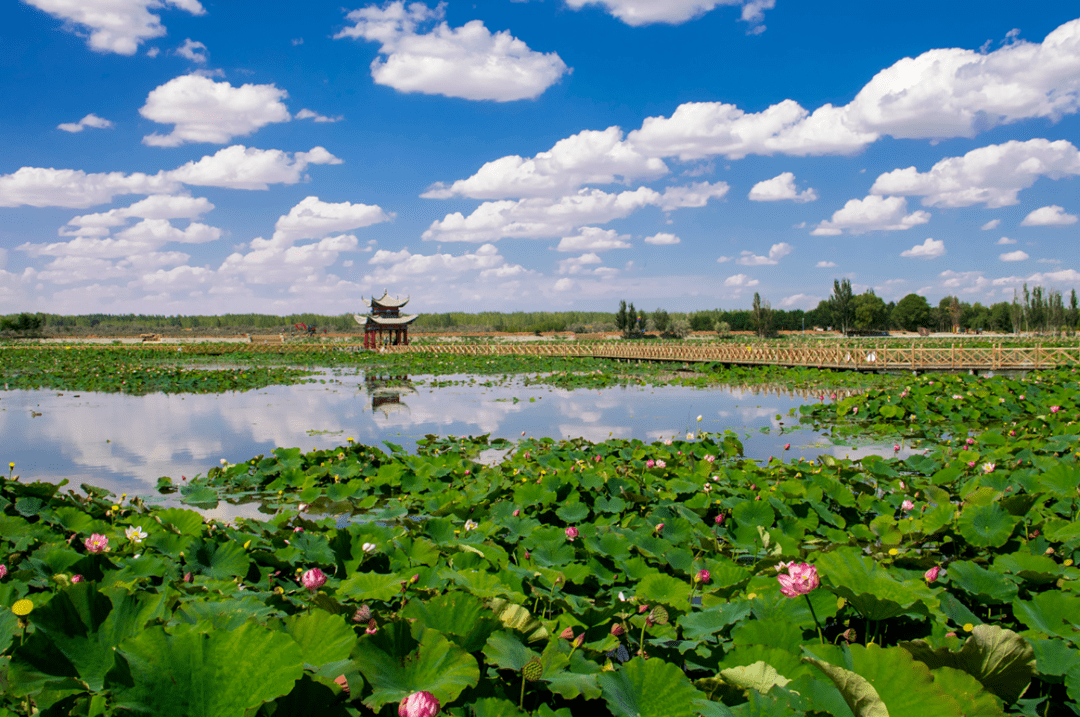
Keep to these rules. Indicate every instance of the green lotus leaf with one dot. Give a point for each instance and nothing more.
(221, 674)
(785, 662)
(204, 616)
(986, 585)
(649, 688)
(998, 658)
(573, 513)
(219, 561)
(518, 618)
(1050, 612)
(665, 589)
(1061, 480)
(458, 615)
(322, 636)
(696, 625)
(986, 526)
(371, 586)
(753, 513)
(1072, 683)
(570, 678)
(821, 695)
(1054, 657)
(182, 520)
(973, 699)
(494, 707)
(1033, 568)
(504, 650)
(888, 682)
(436, 665)
(868, 587)
(757, 676)
(199, 495)
(774, 633)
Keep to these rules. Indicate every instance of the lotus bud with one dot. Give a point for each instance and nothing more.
(617, 629)
(313, 579)
(567, 634)
(419, 704)
(579, 640)
(704, 576)
(188, 577)
(414, 579)
(363, 614)
(571, 533)
(3, 572)
(850, 635)
(719, 520)
(932, 574)
(642, 609)
(659, 527)
(77, 578)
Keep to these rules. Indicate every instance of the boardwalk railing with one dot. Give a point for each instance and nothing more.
(862, 358)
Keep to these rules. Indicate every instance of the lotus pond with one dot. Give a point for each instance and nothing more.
(625, 576)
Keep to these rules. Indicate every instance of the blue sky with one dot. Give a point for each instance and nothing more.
(200, 157)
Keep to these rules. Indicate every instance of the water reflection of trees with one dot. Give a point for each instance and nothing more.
(780, 390)
(386, 393)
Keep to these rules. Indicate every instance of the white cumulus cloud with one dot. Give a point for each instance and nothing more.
(1005, 240)
(825, 265)
(41, 187)
(779, 188)
(992, 224)
(316, 117)
(594, 239)
(776, 252)
(929, 249)
(1051, 216)
(240, 167)
(672, 12)
(90, 120)
(873, 213)
(467, 61)
(1017, 255)
(662, 239)
(991, 175)
(206, 111)
(192, 50)
(588, 157)
(313, 218)
(118, 26)
(740, 280)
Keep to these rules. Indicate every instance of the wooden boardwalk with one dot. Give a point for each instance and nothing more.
(861, 358)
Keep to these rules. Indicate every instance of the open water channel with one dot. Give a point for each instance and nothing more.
(124, 443)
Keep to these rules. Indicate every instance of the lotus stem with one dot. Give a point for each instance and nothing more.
(809, 604)
(521, 699)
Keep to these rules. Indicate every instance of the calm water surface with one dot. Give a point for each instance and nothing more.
(124, 443)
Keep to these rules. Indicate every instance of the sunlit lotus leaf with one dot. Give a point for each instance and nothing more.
(1051, 612)
(697, 625)
(207, 615)
(1061, 480)
(224, 673)
(985, 585)
(820, 694)
(506, 651)
(758, 676)
(664, 589)
(1002, 661)
(516, 617)
(986, 525)
(436, 666)
(371, 586)
(458, 615)
(1054, 657)
(753, 513)
(973, 699)
(888, 682)
(868, 587)
(322, 636)
(774, 633)
(649, 688)
(1033, 568)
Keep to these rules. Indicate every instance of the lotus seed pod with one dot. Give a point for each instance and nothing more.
(532, 670)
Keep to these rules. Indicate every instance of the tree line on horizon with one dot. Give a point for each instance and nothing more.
(1037, 309)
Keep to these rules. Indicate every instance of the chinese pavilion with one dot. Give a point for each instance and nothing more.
(384, 326)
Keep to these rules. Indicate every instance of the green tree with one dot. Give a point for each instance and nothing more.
(841, 305)
(870, 312)
(661, 320)
(762, 314)
(911, 312)
(1073, 313)
(621, 320)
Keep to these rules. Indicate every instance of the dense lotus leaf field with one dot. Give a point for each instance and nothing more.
(567, 577)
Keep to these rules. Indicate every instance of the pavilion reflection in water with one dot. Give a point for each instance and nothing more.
(386, 393)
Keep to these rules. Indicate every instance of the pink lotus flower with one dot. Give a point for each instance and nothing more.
(800, 580)
(907, 505)
(896, 448)
(77, 578)
(988, 468)
(719, 520)
(1021, 397)
(313, 579)
(1055, 409)
(372, 627)
(855, 410)
(661, 464)
(419, 704)
(659, 527)
(710, 458)
(572, 533)
(970, 441)
(787, 446)
(3, 572)
(704, 576)
(96, 543)
(517, 512)
(650, 463)
(932, 574)
(971, 464)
